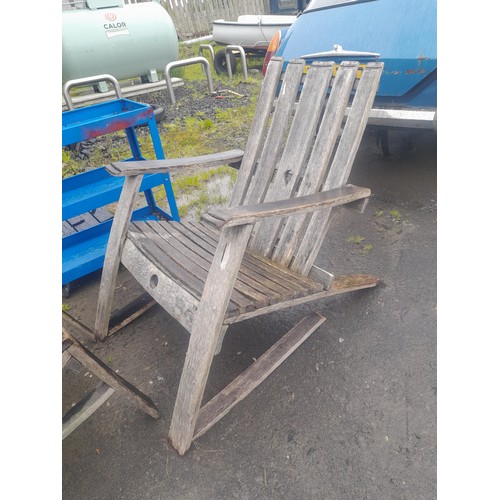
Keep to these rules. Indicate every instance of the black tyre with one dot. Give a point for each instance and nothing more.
(220, 63)
(159, 114)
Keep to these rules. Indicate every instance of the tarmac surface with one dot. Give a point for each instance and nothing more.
(350, 415)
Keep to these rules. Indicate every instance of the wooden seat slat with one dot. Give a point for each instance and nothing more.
(254, 275)
(269, 267)
(280, 274)
(244, 285)
(191, 276)
(247, 282)
(147, 246)
(177, 250)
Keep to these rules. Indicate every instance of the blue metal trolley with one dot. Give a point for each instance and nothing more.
(86, 224)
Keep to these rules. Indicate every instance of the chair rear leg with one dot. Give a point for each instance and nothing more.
(220, 339)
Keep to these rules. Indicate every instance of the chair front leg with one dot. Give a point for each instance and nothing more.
(205, 334)
(114, 249)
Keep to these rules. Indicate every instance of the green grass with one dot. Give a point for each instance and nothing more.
(70, 166)
(194, 135)
(396, 216)
(187, 183)
(357, 240)
(365, 248)
(197, 192)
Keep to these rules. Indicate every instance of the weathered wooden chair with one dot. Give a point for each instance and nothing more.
(258, 255)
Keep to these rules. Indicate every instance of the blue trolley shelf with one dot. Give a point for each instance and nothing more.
(86, 224)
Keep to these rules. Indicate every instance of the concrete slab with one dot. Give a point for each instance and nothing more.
(351, 414)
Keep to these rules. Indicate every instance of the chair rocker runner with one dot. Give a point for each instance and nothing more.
(257, 255)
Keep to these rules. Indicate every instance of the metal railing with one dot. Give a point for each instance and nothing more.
(187, 62)
(89, 81)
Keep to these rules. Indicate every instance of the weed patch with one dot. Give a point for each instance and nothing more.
(365, 248)
(197, 193)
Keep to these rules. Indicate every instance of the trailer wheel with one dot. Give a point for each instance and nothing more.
(220, 62)
(159, 114)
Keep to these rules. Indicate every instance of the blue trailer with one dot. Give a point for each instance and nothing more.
(401, 34)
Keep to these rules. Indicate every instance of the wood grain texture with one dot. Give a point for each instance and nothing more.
(339, 172)
(205, 334)
(341, 284)
(319, 161)
(177, 301)
(179, 256)
(228, 217)
(299, 141)
(258, 131)
(173, 165)
(193, 19)
(245, 383)
(276, 135)
(108, 376)
(114, 249)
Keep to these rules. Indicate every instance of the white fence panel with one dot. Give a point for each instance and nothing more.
(193, 18)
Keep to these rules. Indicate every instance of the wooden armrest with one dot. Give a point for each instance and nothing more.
(232, 157)
(248, 214)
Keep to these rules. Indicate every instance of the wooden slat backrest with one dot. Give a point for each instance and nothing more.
(296, 150)
(258, 131)
(310, 241)
(290, 167)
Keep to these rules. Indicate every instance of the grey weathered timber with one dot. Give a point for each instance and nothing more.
(114, 248)
(172, 165)
(84, 333)
(193, 19)
(257, 132)
(319, 159)
(270, 210)
(291, 165)
(340, 168)
(85, 408)
(85, 220)
(324, 277)
(341, 284)
(111, 382)
(280, 124)
(242, 385)
(205, 334)
(257, 255)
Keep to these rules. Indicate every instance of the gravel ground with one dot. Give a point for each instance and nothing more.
(205, 103)
(350, 415)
